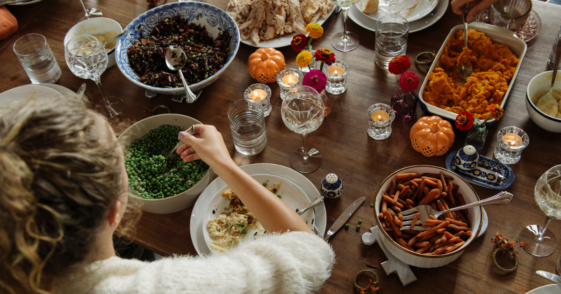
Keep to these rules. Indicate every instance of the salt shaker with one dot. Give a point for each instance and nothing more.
(332, 186)
(466, 158)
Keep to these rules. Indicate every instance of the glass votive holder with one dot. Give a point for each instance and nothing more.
(289, 79)
(510, 143)
(259, 94)
(380, 118)
(336, 75)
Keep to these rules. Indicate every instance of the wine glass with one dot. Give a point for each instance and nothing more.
(547, 193)
(88, 12)
(86, 57)
(303, 112)
(345, 41)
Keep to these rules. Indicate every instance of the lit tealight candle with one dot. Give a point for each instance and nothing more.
(290, 80)
(380, 116)
(258, 95)
(335, 71)
(512, 139)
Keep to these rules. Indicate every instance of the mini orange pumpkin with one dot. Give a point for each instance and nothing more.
(432, 136)
(265, 64)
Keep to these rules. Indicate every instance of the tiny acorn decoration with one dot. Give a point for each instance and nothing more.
(332, 186)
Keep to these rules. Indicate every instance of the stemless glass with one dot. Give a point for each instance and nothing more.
(303, 112)
(547, 193)
(345, 41)
(391, 39)
(86, 57)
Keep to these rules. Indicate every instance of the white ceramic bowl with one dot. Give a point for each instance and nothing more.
(498, 36)
(475, 217)
(96, 25)
(184, 199)
(537, 85)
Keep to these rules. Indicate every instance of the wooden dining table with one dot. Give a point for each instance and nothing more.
(361, 162)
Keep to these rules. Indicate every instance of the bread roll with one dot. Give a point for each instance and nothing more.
(369, 6)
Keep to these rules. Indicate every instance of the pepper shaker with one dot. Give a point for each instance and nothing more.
(332, 186)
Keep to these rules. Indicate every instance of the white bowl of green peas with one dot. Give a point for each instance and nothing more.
(163, 185)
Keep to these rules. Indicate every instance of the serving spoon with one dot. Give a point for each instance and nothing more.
(175, 60)
(116, 37)
(465, 70)
(549, 95)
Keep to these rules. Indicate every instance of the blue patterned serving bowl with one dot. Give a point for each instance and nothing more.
(212, 17)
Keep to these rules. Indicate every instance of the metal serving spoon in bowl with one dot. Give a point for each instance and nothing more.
(465, 70)
(175, 60)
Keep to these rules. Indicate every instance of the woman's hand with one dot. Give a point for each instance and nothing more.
(475, 7)
(207, 144)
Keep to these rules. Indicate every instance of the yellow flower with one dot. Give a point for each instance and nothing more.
(314, 30)
(304, 58)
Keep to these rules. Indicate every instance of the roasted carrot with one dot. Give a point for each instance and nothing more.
(404, 244)
(384, 204)
(405, 176)
(433, 230)
(455, 222)
(431, 222)
(397, 221)
(392, 223)
(410, 202)
(458, 228)
(448, 235)
(439, 185)
(412, 241)
(395, 197)
(430, 183)
(430, 197)
(421, 250)
(421, 244)
(454, 247)
(415, 218)
(443, 180)
(387, 198)
(392, 187)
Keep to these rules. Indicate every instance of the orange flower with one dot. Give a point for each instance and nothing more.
(522, 243)
(495, 110)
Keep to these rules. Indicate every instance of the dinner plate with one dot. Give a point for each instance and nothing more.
(25, 3)
(411, 10)
(15, 97)
(290, 193)
(547, 289)
(370, 24)
(197, 216)
(279, 41)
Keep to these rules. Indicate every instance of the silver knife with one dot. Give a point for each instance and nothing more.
(552, 277)
(344, 217)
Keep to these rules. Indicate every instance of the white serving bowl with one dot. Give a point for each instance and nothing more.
(96, 25)
(475, 217)
(184, 199)
(537, 85)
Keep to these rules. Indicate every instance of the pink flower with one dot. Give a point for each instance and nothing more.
(315, 79)
(409, 81)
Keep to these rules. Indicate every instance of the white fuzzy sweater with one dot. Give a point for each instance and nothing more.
(294, 262)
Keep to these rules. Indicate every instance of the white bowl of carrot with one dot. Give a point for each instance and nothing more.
(449, 235)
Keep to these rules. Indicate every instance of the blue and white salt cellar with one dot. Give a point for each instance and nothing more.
(466, 158)
(332, 186)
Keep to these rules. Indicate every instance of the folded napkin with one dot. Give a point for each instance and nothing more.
(8, 23)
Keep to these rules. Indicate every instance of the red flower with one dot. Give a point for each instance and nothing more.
(315, 79)
(464, 121)
(299, 42)
(325, 55)
(399, 64)
(409, 81)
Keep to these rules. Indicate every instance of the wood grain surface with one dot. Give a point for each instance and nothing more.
(359, 161)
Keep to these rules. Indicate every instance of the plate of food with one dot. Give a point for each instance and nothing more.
(15, 97)
(275, 23)
(228, 221)
(411, 10)
(496, 55)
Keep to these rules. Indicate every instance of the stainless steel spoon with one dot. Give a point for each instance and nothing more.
(549, 94)
(316, 202)
(465, 70)
(175, 60)
(116, 37)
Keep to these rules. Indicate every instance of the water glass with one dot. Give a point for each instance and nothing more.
(510, 14)
(380, 126)
(551, 61)
(336, 77)
(37, 59)
(247, 124)
(259, 94)
(510, 143)
(289, 79)
(391, 39)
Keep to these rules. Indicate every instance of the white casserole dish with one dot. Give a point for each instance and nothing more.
(498, 36)
(474, 215)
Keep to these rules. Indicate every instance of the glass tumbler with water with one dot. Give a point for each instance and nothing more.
(247, 124)
(37, 59)
(391, 39)
(538, 241)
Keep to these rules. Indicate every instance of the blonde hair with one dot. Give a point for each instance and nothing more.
(60, 174)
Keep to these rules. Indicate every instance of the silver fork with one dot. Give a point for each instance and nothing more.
(426, 211)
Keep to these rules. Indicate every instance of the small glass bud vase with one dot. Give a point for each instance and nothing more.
(476, 137)
(404, 104)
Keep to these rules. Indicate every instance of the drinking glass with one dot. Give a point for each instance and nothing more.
(303, 112)
(247, 124)
(87, 13)
(86, 57)
(391, 39)
(345, 41)
(510, 14)
(547, 193)
(37, 59)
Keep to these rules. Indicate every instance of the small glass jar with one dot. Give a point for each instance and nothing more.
(476, 137)
(259, 94)
(404, 104)
(380, 118)
(336, 75)
(510, 143)
(288, 80)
